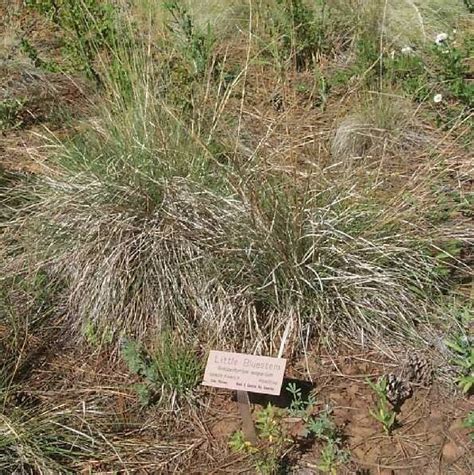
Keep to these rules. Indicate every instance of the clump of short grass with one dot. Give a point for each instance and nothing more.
(381, 124)
(35, 439)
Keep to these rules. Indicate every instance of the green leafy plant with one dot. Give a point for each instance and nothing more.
(463, 348)
(383, 413)
(468, 423)
(298, 406)
(238, 443)
(332, 456)
(10, 113)
(172, 368)
(452, 69)
(409, 71)
(273, 441)
(321, 427)
(195, 44)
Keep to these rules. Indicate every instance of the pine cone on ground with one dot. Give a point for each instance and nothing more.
(418, 370)
(398, 390)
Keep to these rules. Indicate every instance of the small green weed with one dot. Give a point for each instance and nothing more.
(461, 345)
(449, 253)
(332, 456)
(463, 348)
(298, 406)
(273, 441)
(468, 423)
(384, 413)
(94, 336)
(10, 113)
(321, 427)
(172, 368)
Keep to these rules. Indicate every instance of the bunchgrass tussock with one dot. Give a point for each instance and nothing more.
(41, 440)
(191, 251)
(145, 229)
(380, 124)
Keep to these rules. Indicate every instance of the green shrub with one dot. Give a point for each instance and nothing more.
(195, 44)
(88, 27)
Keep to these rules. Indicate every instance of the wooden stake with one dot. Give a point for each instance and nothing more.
(247, 422)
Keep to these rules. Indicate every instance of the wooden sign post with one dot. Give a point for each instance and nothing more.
(245, 373)
(248, 427)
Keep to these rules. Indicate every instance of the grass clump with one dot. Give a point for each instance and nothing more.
(41, 440)
(145, 226)
(145, 229)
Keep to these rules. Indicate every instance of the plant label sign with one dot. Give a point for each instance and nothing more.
(242, 372)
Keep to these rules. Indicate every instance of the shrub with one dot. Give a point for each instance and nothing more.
(195, 45)
(88, 27)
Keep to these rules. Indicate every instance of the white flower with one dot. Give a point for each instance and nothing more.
(407, 50)
(441, 38)
(437, 98)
